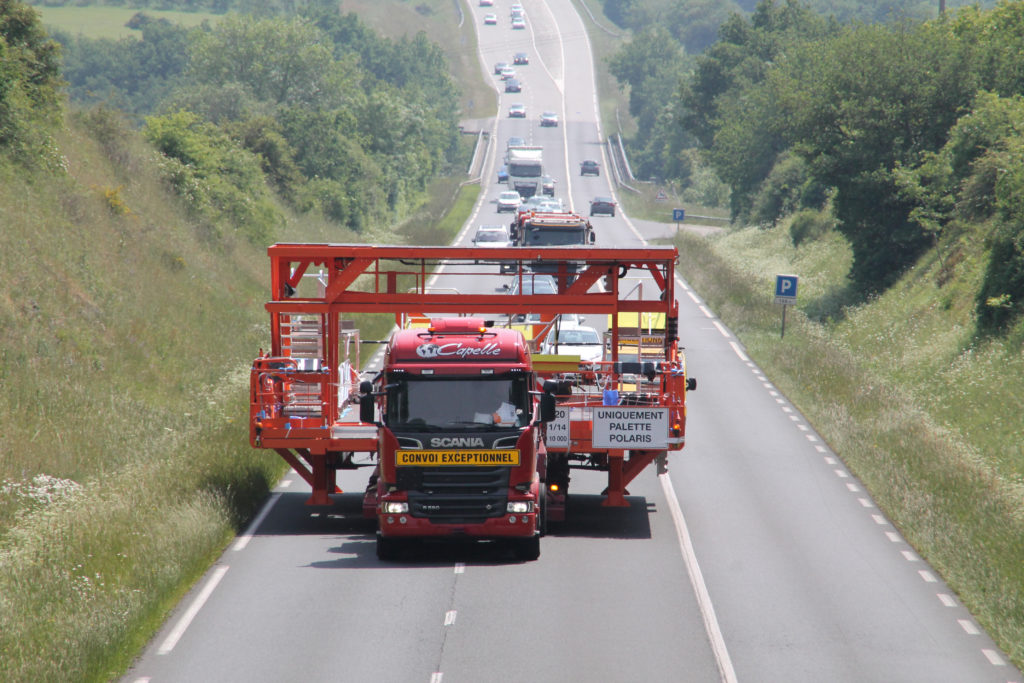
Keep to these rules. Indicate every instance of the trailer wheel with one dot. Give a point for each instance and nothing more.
(387, 548)
(528, 549)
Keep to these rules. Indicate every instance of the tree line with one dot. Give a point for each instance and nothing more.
(328, 114)
(901, 134)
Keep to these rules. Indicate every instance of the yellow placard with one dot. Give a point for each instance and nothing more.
(504, 457)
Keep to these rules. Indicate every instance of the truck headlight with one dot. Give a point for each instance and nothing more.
(518, 507)
(396, 508)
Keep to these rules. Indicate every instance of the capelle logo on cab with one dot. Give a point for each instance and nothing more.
(456, 349)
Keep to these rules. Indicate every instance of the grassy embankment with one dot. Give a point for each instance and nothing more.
(927, 415)
(126, 332)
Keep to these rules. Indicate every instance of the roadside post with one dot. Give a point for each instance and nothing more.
(785, 294)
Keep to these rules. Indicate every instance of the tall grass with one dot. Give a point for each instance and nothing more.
(124, 464)
(881, 385)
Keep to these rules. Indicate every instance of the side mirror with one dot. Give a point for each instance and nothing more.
(547, 407)
(691, 384)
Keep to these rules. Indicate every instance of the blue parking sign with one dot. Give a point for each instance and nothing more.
(785, 289)
(678, 215)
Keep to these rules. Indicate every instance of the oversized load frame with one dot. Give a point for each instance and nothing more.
(317, 430)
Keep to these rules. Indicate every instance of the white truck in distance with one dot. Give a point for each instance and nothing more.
(525, 168)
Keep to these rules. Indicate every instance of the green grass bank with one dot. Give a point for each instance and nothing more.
(127, 328)
(923, 412)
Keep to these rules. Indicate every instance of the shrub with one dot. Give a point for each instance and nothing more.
(221, 181)
(809, 224)
(1001, 297)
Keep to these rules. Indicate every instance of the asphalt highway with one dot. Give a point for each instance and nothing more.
(757, 557)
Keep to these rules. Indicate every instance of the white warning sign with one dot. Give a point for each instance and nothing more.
(630, 427)
(558, 430)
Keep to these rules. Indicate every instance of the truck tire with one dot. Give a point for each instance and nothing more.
(387, 548)
(528, 549)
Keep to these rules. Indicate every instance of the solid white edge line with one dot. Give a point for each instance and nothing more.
(186, 619)
(707, 610)
(244, 539)
(736, 348)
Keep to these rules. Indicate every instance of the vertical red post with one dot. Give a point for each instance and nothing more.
(615, 494)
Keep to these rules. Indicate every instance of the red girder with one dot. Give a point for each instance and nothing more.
(386, 264)
(393, 279)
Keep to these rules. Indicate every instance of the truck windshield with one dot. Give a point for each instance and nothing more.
(457, 403)
(524, 170)
(554, 236)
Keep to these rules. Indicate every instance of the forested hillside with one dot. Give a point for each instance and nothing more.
(340, 120)
(905, 136)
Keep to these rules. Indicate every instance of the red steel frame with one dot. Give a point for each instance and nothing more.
(365, 278)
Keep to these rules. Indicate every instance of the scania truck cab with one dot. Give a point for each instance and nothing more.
(458, 439)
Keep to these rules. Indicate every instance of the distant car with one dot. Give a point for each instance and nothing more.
(509, 200)
(548, 118)
(490, 19)
(520, 58)
(490, 236)
(533, 203)
(590, 167)
(513, 85)
(602, 205)
(574, 340)
(487, 3)
(507, 73)
(518, 23)
(547, 185)
(534, 284)
(514, 141)
(503, 174)
(539, 203)
(517, 111)
(499, 67)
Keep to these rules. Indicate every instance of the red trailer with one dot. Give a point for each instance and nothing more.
(472, 433)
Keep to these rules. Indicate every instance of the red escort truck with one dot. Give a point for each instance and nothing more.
(473, 432)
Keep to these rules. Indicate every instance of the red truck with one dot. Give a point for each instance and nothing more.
(473, 432)
(459, 437)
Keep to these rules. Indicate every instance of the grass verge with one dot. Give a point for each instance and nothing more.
(946, 494)
(126, 332)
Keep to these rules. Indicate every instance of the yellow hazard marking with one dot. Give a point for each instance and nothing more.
(442, 458)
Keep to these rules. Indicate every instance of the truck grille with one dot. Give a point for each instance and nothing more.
(462, 495)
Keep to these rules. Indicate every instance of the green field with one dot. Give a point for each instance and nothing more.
(101, 21)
